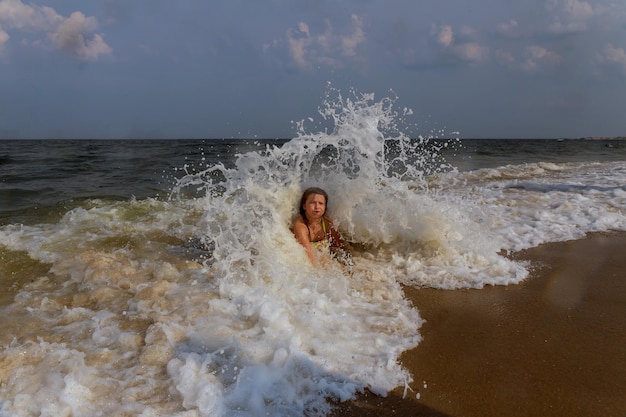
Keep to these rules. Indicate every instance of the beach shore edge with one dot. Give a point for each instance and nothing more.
(552, 345)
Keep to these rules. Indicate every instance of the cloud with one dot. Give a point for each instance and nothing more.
(539, 52)
(351, 42)
(17, 15)
(298, 41)
(444, 35)
(535, 58)
(307, 49)
(614, 56)
(4, 38)
(73, 35)
(571, 16)
(510, 28)
(463, 48)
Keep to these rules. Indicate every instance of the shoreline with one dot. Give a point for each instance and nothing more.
(553, 345)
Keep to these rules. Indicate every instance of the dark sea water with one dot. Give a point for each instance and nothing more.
(43, 173)
(54, 174)
(161, 277)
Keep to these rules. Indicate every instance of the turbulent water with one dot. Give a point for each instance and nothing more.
(161, 278)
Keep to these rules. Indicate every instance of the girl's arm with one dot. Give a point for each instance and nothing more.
(302, 236)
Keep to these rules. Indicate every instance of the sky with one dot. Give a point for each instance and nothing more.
(253, 68)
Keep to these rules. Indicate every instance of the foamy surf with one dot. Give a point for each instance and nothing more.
(205, 305)
(159, 332)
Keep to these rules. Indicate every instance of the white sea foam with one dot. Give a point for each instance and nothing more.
(526, 205)
(208, 306)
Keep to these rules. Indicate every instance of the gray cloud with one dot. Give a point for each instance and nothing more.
(229, 66)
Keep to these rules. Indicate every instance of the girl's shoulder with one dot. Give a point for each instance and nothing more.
(299, 222)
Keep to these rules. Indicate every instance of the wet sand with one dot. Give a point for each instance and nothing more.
(554, 345)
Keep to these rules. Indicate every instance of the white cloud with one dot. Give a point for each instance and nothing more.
(509, 28)
(304, 28)
(307, 49)
(571, 16)
(472, 52)
(466, 51)
(69, 37)
(612, 55)
(444, 35)
(4, 38)
(577, 10)
(73, 35)
(326, 39)
(297, 46)
(17, 15)
(540, 53)
(351, 42)
(535, 58)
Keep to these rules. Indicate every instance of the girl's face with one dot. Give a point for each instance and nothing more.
(314, 207)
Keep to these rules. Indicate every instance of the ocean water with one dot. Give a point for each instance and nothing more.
(160, 278)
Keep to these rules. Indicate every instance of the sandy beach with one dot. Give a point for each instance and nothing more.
(554, 345)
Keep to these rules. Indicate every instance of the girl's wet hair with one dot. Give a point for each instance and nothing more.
(306, 194)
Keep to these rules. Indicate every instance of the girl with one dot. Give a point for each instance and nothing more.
(312, 228)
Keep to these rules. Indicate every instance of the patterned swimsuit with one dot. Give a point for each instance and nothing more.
(323, 244)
